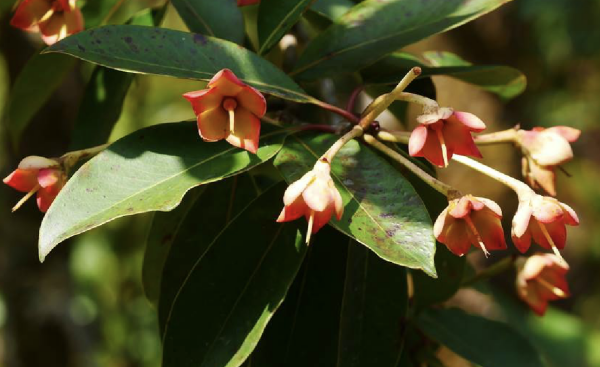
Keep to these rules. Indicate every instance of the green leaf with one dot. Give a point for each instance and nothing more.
(152, 50)
(163, 232)
(381, 209)
(222, 19)
(234, 288)
(217, 206)
(331, 9)
(484, 342)
(305, 329)
(375, 28)
(96, 13)
(504, 81)
(275, 18)
(148, 170)
(373, 318)
(35, 84)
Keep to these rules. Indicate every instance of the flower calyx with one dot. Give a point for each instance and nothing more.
(229, 109)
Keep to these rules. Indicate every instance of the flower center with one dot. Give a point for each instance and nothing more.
(230, 104)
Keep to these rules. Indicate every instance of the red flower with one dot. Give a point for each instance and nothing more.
(470, 221)
(541, 278)
(543, 150)
(230, 110)
(314, 196)
(54, 19)
(247, 2)
(542, 218)
(37, 174)
(443, 133)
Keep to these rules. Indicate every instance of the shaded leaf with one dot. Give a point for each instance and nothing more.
(275, 18)
(381, 209)
(202, 223)
(504, 81)
(97, 13)
(152, 50)
(35, 84)
(222, 19)
(373, 318)
(234, 288)
(163, 232)
(331, 9)
(148, 170)
(484, 342)
(375, 28)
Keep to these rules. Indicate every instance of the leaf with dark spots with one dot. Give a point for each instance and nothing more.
(172, 56)
(148, 175)
(405, 237)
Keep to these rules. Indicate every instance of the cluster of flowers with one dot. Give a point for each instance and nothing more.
(231, 110)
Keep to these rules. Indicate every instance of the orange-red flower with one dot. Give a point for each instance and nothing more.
(470, 221)
(37, 174)
(54, 19)
(247, 2)
(314, 196)
(230, 110)
(541, 278)
(542, 219)
(445, 132)
(543, 150)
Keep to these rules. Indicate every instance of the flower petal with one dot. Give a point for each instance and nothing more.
(45, 197)
(566, 132)
(523, 242)
(74, 21)
(337, 201)
(23, 180)
(227, 83)
(204, 100)
(546, 209)
(459, 140)
(293, 211)
(252, 100)
(213, 124)
(455, 237)
(318, 196)
(550, 149)
(321, 218)
(461, 208)
(297, 187)
(246, 131)
(490, 229)
(417, 139)
(430, 149)
(469, 120)
(543, 176)
(490, 204)
(29, 13)
(37, 162)
(50, 179)
(439, 224)
(520, 221)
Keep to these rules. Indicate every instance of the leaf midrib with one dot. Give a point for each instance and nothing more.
(193, 10)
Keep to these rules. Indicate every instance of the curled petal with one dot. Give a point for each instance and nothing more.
(227, 83)
(297, 187)
(543, 176)
(570, 217)
(550, 149)
(204, 100)
(252, 100)
(469, 120)
(318, 196)
(521, 219)
(417, 140)
(293, 211)
(246, 131)
(439, 224)
(23, 180)
(545, 209)
(566, 132)
(213, 124)
(37, 162)
(490, 204)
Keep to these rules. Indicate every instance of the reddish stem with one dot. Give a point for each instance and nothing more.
(345, 114)
(352, 99)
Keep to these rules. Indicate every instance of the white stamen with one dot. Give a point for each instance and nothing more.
(311, 220)
(25, 198)
(440, 137)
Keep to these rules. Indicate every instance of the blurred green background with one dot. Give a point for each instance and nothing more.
(85, 306)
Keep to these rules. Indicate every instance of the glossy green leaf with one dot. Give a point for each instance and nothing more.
(375, 28)
(381, 209)
(373, 318)
(484, 342)
(163, 232)
(152, 50)
(275, 18)
(234, 288)
(222, 19)
(504, 81)
(305, 329)
(148, 170)
(220, 202)
(35, 84)
(331, 9)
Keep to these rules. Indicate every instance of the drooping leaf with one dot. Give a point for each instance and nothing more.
(148, 170)
(202, 223)
(275, 18)
(331, 9)
(381, 209)
(152, 50)
(504, 81)
(375, 28)
(305, 329)
(222, 19)
(484, 342)
(35, 84)
(234, 288)
(163, 232)
(373, 318)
